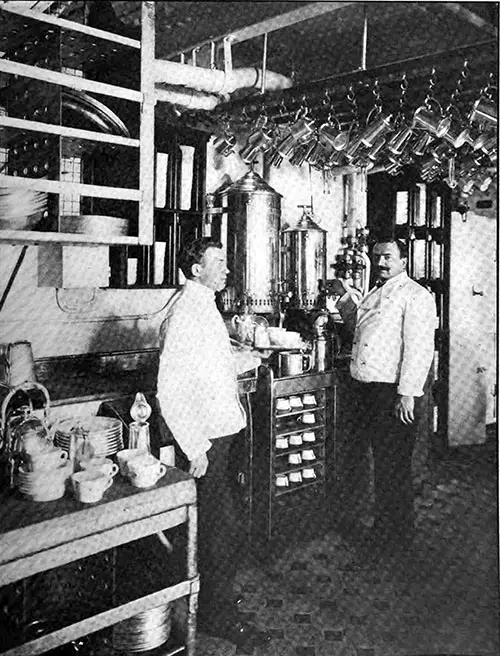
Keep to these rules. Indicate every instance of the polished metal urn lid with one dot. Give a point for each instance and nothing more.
(304, 223)
(251, 183)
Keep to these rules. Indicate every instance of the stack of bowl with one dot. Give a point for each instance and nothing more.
(44, 484)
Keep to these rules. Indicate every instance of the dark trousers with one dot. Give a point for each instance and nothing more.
(220, 536)
(373, 423)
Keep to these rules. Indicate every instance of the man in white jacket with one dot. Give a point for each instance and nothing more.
(198, 396)
(392, 351)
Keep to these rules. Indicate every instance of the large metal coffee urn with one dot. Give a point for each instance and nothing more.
(303, 261)
(253, 224)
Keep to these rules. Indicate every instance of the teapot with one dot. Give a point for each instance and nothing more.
(243, 326)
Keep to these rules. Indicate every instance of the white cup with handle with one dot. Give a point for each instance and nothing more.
(104, 465)
(124, 456)
(145, 470)
(46, 460)
(89, 485)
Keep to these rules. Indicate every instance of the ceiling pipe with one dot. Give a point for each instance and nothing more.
(187, 98)
(215, 81)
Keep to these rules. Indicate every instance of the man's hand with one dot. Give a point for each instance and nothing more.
(404, 409)
(199, 466)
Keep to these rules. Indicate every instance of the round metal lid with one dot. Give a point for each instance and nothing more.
(251, 182)
(305, 223)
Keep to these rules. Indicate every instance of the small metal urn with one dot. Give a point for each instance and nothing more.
(303, 260)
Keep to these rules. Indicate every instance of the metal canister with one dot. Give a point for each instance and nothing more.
(304, 260)
(253, 224)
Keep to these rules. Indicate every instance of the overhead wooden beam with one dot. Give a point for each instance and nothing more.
(63, 23)
(303, 13)
(470, 16)
(293, 17)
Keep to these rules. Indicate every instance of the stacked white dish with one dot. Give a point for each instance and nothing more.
(103, 434)
(285, 339)
(21, 208)
(44, 485)
(144, 631)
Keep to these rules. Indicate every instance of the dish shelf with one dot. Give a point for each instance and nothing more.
(84, 43)
(299, 486)
(302, 429)
(305, 464)
(292, 413)
(268, 521)
(63, 131)
(37, 47)
(38, 237)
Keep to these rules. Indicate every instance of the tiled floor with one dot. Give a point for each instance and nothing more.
(442, 598)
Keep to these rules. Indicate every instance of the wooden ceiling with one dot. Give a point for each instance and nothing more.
(315, 40)
(314, 43)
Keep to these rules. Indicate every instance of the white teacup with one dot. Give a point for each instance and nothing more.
(296, 402)
(307, 418)
(295, 440)
(308, 473)
(281, 443)
(309, 436)
(308, 454)
(90, 485)
(44, 460)
(145, 470)
(282, 480)
(124, 456)
(282, 405)
(295, 459)
(309, 400)
(295, 477)
(103, 465)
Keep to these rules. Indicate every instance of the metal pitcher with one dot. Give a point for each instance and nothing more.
(295, 363)
(17, 365)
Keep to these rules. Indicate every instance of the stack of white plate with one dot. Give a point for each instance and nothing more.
(21, 208)
(144, 631)
(43, 485)
(104, 434)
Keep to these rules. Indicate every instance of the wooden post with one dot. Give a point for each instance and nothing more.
(147, 128)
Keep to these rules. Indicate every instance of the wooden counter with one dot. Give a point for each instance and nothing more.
(35, 537)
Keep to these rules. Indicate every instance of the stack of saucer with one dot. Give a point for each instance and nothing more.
(144, 631)
(43, 485)
(21, 208)
(104, 434)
